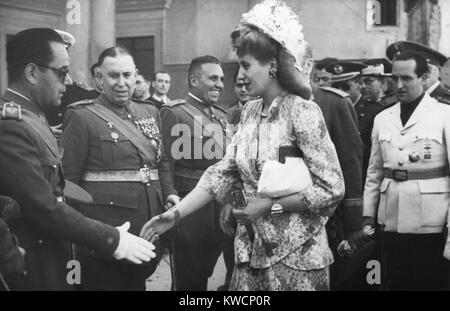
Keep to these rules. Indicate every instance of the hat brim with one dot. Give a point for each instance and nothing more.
(345, 77)
(76, 195)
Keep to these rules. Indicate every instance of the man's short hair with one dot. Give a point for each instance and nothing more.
(158, 72)
(92, 70)
(113, 51)
(29, 46)
(421, 62)
(196, 65)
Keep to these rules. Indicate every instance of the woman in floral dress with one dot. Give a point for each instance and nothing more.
(289, 250)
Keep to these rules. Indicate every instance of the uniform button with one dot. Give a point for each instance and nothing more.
(401, 163)
(129, 116)
(401, 149)
(148, 184)
(60, 114)
(55, 166)
(111, 203)
(40, 241)
(402, 133)
(145, 165)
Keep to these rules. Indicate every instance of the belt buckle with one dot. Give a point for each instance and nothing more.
(400, 175)
(145, 175)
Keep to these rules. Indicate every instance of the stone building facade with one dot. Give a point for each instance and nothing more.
(167, 34)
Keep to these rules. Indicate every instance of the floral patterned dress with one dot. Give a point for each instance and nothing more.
(299, 255)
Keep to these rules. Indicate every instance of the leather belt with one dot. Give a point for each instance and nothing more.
(403, 175)
(143, 175)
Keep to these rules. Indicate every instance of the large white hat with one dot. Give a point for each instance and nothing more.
(275, 19)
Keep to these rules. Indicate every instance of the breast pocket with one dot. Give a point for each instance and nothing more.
(428, 143)
(382, 205)
(435, 198)
(114, 150)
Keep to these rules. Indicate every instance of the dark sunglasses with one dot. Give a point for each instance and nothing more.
(59, 72)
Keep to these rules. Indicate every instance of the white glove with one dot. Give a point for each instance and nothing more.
(132, 247)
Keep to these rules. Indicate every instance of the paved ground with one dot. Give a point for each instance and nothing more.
(161, 278)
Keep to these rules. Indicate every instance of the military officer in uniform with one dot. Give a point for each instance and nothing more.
(435, 60)
(31, 173)
(372, 79)
(113, 149)
(407, 186)
(341, 122)
(345, 77)
(321, 76)
(199, 241)
(388, 85)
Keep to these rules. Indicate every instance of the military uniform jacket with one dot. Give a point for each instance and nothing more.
(195, 143)
(31, 174)
(92, 144)
(344, 134)
(411, 206)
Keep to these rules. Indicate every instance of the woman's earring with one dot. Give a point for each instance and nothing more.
(273, 72)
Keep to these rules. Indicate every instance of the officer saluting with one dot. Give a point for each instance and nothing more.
(113, 149)
(30, 166)
(199, 243)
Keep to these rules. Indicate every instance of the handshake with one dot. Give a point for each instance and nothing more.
(139, 249)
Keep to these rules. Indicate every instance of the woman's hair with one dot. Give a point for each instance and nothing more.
(250, 40)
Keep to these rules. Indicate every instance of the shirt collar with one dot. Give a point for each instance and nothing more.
(164, 99)
(433, 87)
(412, 105)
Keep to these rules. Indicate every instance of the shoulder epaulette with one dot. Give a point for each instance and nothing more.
(84, 86)
(81, 103)
(11, 111)
(174, 102)
(443, 100)
(335, 91)
(220, 108)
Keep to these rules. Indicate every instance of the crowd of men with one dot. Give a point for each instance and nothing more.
(83, 167)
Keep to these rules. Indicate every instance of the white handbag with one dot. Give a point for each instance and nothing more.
(278, 179)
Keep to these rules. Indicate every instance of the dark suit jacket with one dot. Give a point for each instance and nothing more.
(31, 174)
(339, 118)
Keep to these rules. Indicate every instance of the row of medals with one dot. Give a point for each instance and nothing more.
(150, 130)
